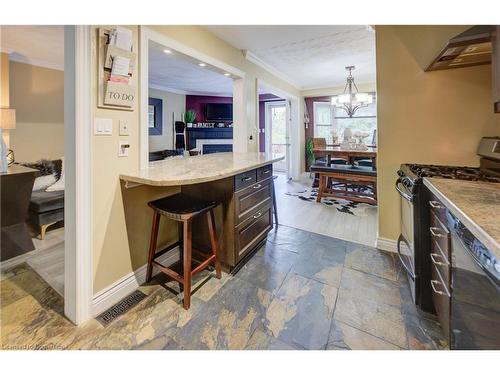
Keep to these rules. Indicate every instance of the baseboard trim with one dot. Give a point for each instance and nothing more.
(109, 296)
(387, 244)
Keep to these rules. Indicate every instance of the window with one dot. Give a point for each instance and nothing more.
(330, 122)
(323, 121)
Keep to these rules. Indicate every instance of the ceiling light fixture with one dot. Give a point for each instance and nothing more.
(167, 51)
(202, 64)
(351, 101)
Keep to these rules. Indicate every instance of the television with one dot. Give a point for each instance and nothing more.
(219, 111)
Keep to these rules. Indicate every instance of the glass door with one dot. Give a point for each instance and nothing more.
(277, 139)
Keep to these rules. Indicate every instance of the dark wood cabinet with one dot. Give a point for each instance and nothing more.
(246, 201)
(243, 215)
(495, 64)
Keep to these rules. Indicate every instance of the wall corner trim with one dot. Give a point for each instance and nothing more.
(387, 244)
(121, 288)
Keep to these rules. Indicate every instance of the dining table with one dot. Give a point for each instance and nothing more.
(350, 155)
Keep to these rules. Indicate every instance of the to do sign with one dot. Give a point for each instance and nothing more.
(120, 94)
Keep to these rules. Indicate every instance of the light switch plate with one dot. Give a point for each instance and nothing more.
(103, 126)
(123, 148)
(124, 128)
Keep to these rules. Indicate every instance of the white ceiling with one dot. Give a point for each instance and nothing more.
(179, 73)
(35, 45)
(307, 56)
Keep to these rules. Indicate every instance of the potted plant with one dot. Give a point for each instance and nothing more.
(189, 118)
(309, 151)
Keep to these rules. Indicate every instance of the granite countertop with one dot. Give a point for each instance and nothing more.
(195, 169)
(475, 204)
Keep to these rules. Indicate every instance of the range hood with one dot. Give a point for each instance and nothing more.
(472, 47)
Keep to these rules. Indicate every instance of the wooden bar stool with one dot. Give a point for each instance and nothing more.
(183, 209)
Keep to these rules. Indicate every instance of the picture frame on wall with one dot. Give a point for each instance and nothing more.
(155, 116)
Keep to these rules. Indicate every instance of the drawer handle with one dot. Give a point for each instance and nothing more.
(266, 172)
(258, 215)
(258, 186)
(246, 178)
(434, 232)
(437, 263)
(433, 285)
(435, 204)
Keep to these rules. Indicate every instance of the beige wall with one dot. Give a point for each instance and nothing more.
(173, 104)
(37, 94)
(121, 218)
(4, 77)
(436, 117)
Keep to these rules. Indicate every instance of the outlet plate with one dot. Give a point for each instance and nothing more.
(123, 148)
(124, 128)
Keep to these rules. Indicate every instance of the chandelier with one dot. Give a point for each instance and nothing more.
(351, 101)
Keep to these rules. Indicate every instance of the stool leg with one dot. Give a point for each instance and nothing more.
(152, 245)
(187, 242)
(214, 242)
(275, 207)
(180, 226)
(321, 188)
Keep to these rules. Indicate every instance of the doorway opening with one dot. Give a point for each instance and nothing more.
(278, 128)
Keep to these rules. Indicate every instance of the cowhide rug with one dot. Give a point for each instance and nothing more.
(344, 206)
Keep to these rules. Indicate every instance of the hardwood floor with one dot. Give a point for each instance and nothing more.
(48, 259)
(320, 218)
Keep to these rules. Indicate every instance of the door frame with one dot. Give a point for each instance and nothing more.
(268, 128)
(294, 127)
(78, 274)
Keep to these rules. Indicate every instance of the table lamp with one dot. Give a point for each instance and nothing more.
(7, 122)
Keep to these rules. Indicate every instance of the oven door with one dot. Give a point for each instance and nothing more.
(406, 241)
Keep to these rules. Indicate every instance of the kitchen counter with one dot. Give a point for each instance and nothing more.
(475, 204)
(196, 169)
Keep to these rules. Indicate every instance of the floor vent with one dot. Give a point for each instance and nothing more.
(120, 308)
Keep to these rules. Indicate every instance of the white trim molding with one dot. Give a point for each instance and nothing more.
(250, 56)
(121, 288)
(78, 273)
(387, 244)
(16, 57)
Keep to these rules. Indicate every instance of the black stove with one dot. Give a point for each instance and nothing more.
(414, 240)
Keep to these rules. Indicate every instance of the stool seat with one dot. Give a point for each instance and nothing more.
(180, 204)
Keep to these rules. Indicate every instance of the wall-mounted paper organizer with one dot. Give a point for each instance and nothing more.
(112, 61)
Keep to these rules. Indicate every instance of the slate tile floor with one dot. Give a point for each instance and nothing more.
(300, 291)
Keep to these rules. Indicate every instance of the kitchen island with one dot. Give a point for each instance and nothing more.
(240, 183)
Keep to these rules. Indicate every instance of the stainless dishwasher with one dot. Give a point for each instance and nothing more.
(475, 291)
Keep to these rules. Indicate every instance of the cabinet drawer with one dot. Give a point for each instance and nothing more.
(437, 208)
(264, 172)
(441, 261)
(245, 179)
(246, 201)
(441, 298)
(441, 235)
(253, 230)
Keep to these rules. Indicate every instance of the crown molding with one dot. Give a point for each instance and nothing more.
(16, 57)
(271, 69)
